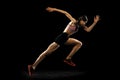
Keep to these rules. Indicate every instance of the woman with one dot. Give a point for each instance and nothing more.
(64, 37)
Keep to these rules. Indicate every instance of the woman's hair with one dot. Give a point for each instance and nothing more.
(84, 18)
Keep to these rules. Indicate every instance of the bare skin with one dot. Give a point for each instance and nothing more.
(71, 41)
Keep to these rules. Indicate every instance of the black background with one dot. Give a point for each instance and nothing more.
(32, 29)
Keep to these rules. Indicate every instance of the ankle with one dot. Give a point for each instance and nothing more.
(68, 58)
(33, 67)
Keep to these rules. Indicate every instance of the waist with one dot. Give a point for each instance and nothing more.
(69, 32)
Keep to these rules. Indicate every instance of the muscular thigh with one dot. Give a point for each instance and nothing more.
(72, 41)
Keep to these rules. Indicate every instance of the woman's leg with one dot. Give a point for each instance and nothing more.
(51, 48)
(77, 45)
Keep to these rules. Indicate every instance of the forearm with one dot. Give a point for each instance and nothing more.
(88, 29)
(59, 10)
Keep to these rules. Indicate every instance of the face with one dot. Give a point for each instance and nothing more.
(82, 23)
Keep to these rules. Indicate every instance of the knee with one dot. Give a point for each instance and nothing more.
(52, 47)
(45, 53)
(79, 44)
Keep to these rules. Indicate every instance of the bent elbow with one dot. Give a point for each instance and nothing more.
(66, 13)
(87, 30)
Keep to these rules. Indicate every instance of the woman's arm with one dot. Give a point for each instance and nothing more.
(96, 19)
(50, 9)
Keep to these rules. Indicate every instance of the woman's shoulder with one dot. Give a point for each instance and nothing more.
(72, 22)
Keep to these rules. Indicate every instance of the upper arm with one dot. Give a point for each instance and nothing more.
(70, 16)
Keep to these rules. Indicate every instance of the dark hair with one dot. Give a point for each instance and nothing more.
(84, 18)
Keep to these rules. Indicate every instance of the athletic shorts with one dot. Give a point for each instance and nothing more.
(62, 38)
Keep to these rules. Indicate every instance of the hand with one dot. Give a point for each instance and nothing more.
(96, 18)
(50, 9)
